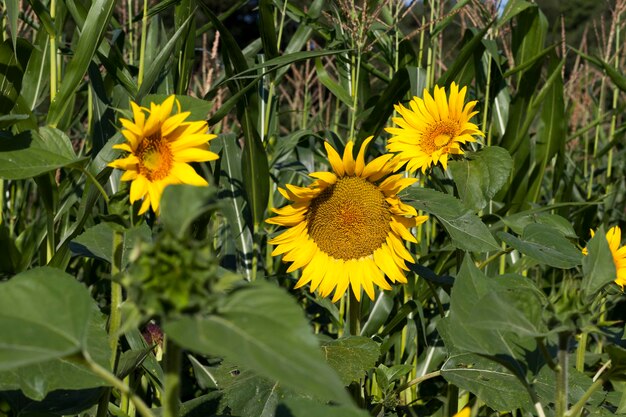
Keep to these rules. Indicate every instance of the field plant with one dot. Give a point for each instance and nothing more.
(311, 208)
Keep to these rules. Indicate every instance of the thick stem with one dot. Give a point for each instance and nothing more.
(354, 309)
(173, 360)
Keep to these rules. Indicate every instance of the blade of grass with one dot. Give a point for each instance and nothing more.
(91, 36)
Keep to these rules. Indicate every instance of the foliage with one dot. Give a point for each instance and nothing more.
(187, 312)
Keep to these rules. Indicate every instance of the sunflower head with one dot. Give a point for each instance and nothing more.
(432, 129)
(348, 227)
(614, 238)
(160, 146)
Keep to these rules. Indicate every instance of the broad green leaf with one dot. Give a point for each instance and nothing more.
(248, 394)
(34, 152)
(260, 327)
(351, 357)
(93, 31)
(467, 231)
(598, 266)
(97, 242)
(481, 176)
(493, 316)
(63, 402)
(181, 204)
(42, 331)
(305, 407)
(518, 221)
(545, 244)
(235, 208)
(493, 383)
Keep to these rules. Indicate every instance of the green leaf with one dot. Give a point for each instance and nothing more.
(260, 327)
(165, 53)
(474, 46)
(93, 31)
(36, 74)
(598, 266)
(493, 383)
(34, 152)
(12, 8)
(333, 86)
(197, 107)
(351, 357)
(38, 343)
(493, 316)
(11, 72)
(248, 394)
(97, 242)
(267, 28)
(181, 204)
(467, 231)
(518, 221)
(512, 9)
(305, 407)
(481, 176)
(546, 245)
(231, 194)
(255, 171)
(394, 92)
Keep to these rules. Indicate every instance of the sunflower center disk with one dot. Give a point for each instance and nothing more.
(438, 136)
(155, 157)
(350, 219)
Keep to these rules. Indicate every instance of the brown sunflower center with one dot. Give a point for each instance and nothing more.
(155, 157)
(438, 135)
(350, 219)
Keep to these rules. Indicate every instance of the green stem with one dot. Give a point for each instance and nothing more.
(115, 319)
(577, 409)
(354, 310)
(580, 352)
(355, 95)
(173, 361)
(561, 375)
(142, 46)
(417, 380)
(115, 382)
(53, 53)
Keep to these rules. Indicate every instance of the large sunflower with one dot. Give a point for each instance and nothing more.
(432, 129)
(348, 227)
(614, 237)
(160, 147)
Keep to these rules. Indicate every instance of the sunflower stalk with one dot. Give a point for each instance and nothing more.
(562, 375)
(173, 361)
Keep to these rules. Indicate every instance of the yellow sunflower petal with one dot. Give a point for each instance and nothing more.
(360, 159)
(334, 159)
(348, 159)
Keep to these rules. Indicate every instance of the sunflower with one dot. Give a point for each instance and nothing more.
(614, 237)
(347, 228)
(432, 129)
(160, 148)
